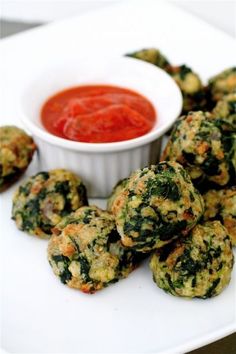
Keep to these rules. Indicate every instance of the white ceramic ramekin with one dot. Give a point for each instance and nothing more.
(101, 166)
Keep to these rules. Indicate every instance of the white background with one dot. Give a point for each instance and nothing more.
(219, 13)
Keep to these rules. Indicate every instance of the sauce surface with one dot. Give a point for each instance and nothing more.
(98, 114)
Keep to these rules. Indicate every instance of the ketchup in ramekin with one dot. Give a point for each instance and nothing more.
(98, 114)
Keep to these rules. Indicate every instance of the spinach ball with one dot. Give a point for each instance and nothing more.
(190, 84)
(226, 109)
(158, 204)
(86, 253)
(44, 199)
(206, 147)
(221, 205)
(152, 56)
(119, 187)
(222, 84)
(199, 265)
(16, 152)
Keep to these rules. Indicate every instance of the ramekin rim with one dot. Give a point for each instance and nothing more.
(105, 147)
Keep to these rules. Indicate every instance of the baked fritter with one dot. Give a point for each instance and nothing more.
(221, 205)
(16, 152)
(190, 84)
(119, 187)
(206, 147)
(152, 56)
(222, 84)
(226, 109)
(199, 265)
(86, 253)
(157, 205)
(44, 199)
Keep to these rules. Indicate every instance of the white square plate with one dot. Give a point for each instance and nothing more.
(41, 315)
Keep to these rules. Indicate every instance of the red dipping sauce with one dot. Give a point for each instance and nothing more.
(98, 114)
